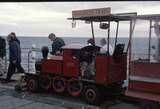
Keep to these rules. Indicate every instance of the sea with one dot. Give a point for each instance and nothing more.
(140, 45)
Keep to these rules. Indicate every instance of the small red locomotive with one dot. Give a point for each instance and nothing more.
(66, 73)
(81, 70)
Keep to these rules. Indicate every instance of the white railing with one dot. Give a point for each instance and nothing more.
(25, 57)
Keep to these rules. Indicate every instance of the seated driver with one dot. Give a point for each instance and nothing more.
(87, 65)
(104, 48)
(57, 43)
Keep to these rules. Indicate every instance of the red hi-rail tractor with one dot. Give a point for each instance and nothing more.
(66, 72)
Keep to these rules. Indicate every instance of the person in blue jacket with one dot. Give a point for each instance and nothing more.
(14, 57)
(57, 43)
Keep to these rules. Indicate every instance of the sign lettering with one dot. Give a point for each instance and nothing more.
(91, 12)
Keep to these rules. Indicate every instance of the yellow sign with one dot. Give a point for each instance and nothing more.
(91, 12)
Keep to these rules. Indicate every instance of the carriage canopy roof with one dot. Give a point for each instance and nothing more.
(104, 14)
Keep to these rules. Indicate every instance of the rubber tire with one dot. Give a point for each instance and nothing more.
(34, 83)
(94, 90)
(18, 87)
(149, 105)
(75, 94)
(54, 87)
(45, 86)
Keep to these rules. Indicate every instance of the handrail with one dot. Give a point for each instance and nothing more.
(6, 58)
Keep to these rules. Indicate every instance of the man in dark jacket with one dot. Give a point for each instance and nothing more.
(13, 34)
(57, 43)
(14, 57)
(2, 54)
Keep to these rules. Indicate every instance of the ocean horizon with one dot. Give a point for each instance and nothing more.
(140, 44)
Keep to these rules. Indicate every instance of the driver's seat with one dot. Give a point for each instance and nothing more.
(118, 51)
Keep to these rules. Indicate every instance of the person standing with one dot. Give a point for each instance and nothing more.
(2, 54)
(33, 59)
(57, 43)
(14, 57)
(13, 34)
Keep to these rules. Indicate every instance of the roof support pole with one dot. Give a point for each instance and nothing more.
(108, 37)
(131, 33)
(108, 54)
(130, 45)
(116, 34)
(149, 41)
(92, 32)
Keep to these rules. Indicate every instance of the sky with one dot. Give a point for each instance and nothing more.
(42, 18)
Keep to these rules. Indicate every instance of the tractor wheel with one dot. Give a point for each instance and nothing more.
(45, 82)
(91, 94)
(149, 105)
(21, 84)
(74, 87)
(32, 85)
(58, 84)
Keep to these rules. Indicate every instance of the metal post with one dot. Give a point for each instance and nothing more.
(92, 32)
(108, 36)
(149, 41)
(130, 45)
(108, 57)
(116, 33)
(29, 60)
(133, 26)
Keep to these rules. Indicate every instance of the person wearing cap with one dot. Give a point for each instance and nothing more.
(57, 43)
(104, 48)
(90, 41)
(14, 57)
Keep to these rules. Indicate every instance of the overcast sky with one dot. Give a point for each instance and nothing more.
(42, 18)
